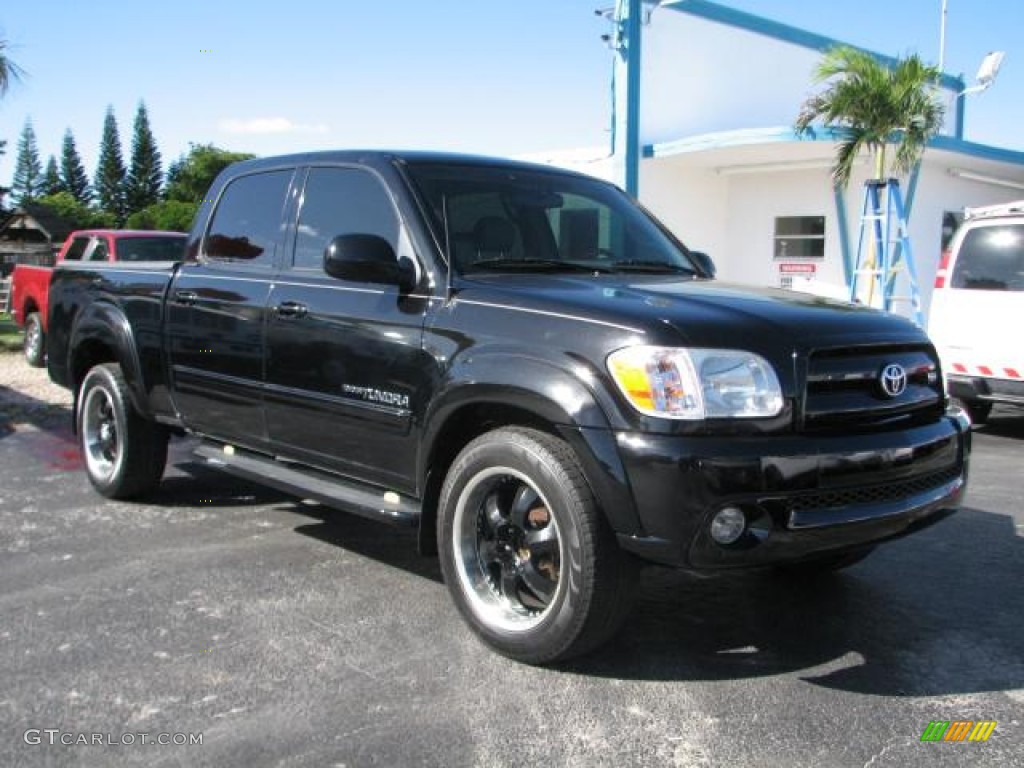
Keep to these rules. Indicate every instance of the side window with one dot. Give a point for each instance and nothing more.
(76, 249)
(341, 201)
(247, 224)
(99, 252)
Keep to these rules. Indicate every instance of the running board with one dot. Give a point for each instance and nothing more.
(331, 491)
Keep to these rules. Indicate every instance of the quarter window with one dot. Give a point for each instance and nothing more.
(799, 237)
(247, 224)
(341, 201)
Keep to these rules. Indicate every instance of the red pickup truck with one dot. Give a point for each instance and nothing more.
(30, 284)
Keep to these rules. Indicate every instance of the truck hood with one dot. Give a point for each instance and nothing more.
(703, 313)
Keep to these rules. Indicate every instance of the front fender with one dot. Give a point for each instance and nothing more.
(571, 401)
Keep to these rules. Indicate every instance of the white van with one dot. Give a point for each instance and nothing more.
(977, 312)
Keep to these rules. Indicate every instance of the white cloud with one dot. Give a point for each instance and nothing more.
(267, 125)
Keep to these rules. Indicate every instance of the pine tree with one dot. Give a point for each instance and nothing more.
(145, 175)
(51, 178)
(28, 171)
(72, 171)
(110, 174)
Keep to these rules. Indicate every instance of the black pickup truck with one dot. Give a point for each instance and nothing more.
(521, 362)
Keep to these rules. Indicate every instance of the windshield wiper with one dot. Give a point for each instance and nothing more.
(547, 265)
(656, 267)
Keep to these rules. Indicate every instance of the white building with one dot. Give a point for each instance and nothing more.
(712, 151)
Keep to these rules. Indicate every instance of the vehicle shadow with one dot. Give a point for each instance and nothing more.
(1004, 422)
(18, 408)
(188, 483)
(393, 547)
(939, 613)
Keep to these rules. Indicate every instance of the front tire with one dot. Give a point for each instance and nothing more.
(35, 341)
(978, 410)
(529, 559)
(124, 453)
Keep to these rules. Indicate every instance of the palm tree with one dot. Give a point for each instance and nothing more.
(9, 71)
(873, 105)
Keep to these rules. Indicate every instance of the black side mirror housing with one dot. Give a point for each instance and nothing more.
(704, 262)
(363, 259)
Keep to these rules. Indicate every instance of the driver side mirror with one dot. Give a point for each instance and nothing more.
(704, 262)
(367, 259)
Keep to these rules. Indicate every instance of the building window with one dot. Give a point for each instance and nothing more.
(799, 237)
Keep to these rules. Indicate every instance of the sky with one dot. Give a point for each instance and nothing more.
(485, 76)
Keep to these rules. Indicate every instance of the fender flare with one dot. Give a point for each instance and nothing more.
(106, 324)
(553, 394)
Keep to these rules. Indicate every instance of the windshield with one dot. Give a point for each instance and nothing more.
(511, 219)
(151, 248)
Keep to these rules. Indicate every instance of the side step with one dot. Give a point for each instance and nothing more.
(331, 491)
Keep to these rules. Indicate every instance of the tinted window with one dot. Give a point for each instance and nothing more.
(799, 237)
(100, 251)
(77, 248)
(341, 201)
(991, 259)
(247, 224)
(151, 249)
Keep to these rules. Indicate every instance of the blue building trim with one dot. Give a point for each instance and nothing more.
(844, 232)
(779, 31)
(960, 109)
(908, 202)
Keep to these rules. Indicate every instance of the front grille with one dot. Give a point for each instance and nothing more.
(876, 494)
(844, 388)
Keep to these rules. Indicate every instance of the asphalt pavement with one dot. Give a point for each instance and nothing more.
(286, 634)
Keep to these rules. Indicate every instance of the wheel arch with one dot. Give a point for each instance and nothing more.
(102, 334)
(540, 396)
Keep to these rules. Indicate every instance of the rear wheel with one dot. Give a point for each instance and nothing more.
(35, 341)
(528, 557)
(124, 453)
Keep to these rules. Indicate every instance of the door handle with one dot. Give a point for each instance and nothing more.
(291, 309)
(186, 297)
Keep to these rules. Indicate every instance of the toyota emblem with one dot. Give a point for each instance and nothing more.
(893, 380)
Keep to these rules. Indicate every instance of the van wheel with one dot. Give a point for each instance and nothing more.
(124, 453)
(35, 341)
(978, 411)
(529, 559)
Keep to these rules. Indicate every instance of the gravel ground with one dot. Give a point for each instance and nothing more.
(27, 394)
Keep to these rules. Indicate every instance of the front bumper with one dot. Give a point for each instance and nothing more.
(990, 390)
(801, 495)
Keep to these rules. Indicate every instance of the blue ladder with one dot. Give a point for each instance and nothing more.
(884, 252)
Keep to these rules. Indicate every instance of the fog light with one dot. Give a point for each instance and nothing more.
(728, 525)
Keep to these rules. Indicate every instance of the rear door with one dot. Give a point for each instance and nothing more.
(345, 365)
(216, 310)
(975, 320)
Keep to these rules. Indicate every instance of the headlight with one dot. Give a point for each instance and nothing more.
(676, 383)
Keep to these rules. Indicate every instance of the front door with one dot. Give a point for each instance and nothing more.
(345, 368)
